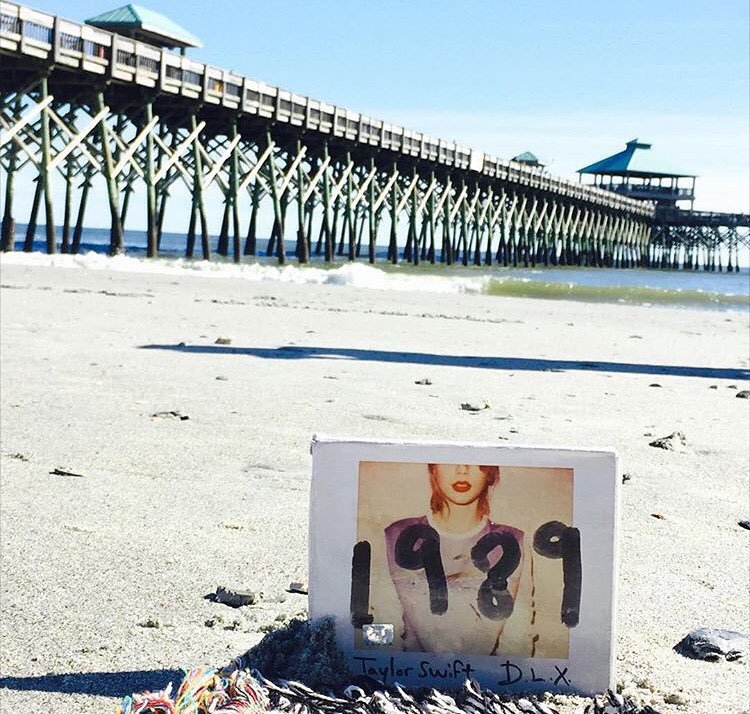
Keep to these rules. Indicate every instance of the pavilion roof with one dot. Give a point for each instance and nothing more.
(526, 158)
(631, 162)
(149, 24)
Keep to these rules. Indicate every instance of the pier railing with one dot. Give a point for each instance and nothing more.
(652, 193)
(77, 46)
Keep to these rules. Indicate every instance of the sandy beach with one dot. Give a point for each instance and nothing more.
(104, 572)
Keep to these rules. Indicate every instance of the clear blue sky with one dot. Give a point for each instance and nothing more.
(571, 81)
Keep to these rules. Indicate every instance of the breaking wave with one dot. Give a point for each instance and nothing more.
(674, 289)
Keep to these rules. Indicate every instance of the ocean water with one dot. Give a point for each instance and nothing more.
(675, 288)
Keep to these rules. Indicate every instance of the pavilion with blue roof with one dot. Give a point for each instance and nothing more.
(528, 159)
(145, 25)
(633, 172)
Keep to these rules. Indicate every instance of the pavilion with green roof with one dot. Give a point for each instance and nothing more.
(145, 25)
(528, 159)
(633, 172)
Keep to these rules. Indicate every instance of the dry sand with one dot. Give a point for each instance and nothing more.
(167, 509)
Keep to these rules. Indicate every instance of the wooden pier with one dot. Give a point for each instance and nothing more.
(695, 240)
(81, 105)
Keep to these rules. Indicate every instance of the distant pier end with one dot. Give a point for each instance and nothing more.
(680, 235)
(632, 172)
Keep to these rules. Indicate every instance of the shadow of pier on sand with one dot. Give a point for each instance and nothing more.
(103, 684)
(516, 364)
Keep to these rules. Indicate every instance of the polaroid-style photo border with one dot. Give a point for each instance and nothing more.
(589, 667)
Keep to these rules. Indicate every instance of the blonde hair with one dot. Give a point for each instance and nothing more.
(438, 500)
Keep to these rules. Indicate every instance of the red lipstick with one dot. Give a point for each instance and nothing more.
(461, 486)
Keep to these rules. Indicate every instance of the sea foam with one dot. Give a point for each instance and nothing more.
(354, 274)
(639, 287)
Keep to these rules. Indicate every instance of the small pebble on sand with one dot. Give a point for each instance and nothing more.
(298, 586)
(171, 414)
(57, 471)
(233, 597)
(676, 441)
(475, 406)
(17, 455)
(714, 645)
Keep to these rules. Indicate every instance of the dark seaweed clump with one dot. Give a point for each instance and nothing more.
(302, 651)
(306, 652)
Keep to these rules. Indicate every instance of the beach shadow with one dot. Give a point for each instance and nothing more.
(515, 364)
(104, 684)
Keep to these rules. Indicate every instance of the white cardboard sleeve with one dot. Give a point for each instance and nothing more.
(337, 501)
